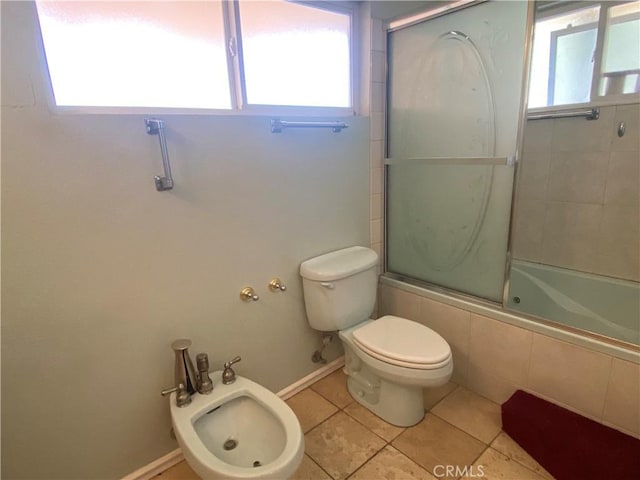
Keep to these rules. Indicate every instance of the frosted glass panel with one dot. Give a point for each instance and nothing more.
(455, 92)
(136, 54)
(448, 225)
(295, 54)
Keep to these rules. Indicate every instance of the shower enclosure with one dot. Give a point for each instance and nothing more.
(456, 117)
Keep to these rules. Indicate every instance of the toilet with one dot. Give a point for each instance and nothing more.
(388, 361)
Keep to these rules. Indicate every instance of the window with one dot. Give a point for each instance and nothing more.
(584, 51)
(213, 54)
(295, 55)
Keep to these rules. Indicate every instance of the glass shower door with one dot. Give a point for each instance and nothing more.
(455, 88)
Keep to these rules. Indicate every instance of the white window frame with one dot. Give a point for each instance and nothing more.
(596, 100)
(235, 69)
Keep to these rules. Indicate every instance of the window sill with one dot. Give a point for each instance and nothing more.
(262, 111)
(608, 101)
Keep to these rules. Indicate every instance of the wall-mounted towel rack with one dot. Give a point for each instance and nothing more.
(156, 127)
(589, 113)
(450, 161)
(278, 125)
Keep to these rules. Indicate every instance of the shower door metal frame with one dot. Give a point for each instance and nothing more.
(421, 17)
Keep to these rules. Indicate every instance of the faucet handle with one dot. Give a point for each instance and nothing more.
(228, 375)
(231, 362)
(182, 396)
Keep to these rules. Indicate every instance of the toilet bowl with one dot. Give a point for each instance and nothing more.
(239, 431)
(387, 368)
(388, 361)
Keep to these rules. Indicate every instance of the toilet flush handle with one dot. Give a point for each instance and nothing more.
(328, 285)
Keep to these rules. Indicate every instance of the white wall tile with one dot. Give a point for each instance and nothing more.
(394, 301)
(376, 181)
(630, 115)
(572, 375)
(377, 126)
(376, 231)
(376, 154)
(571, 235)
(529, 229)
(622, 404)
(538, 135)
(500, 348)
(623, 178)
(376, 207)
(489, 385)
(578, 177)
(453, 324)
(579, 135)
(534, 175)
(377, 97)
(378, 38)
(378, 66)
(618, 242)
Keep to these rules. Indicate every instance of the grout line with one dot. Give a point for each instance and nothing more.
(606, 390)
(319, 466)
(463, 431)
(440, 401)
(316, 426)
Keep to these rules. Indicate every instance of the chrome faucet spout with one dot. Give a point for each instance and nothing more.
(185, 373)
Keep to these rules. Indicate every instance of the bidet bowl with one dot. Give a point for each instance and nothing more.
(241, 430)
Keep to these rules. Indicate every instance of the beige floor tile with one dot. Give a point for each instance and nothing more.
(373, 422)
(180, 471)
(341, 445)
(309, 470)
(390, 464)
(311, 408)
(471, 413)
(433, 395)
(507, 446)
(334, 388)
(435, 442)
(492, 465)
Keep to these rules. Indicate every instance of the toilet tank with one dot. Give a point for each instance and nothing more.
(340, 288)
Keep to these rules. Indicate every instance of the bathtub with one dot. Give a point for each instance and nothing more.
(599, 304)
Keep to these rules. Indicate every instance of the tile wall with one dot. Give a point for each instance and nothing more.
(376, 150)
(578, 200)
(495, 359)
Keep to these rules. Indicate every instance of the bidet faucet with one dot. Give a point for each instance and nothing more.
(228, 375)
(184, 372)
(182, 396)
(205, 385)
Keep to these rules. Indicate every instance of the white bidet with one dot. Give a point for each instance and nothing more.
(239, 431)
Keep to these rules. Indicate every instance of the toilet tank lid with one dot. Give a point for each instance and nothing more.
(339, 264)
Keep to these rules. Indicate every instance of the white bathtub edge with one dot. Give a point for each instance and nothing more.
(517, 321)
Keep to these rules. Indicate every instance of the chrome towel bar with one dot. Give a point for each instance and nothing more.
(277, 125)
(156, 127)
(589, 113)
(451, 161)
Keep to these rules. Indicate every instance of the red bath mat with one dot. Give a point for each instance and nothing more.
(569, 445)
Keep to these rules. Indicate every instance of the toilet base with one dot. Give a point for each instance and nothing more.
(395, 394)
(400, 405)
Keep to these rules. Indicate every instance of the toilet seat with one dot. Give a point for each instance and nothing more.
(404, 343)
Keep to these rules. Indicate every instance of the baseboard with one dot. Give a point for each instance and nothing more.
(172, 458)
(313, 377)
(157, 466)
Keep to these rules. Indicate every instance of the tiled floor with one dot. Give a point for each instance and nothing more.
(344, 440)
